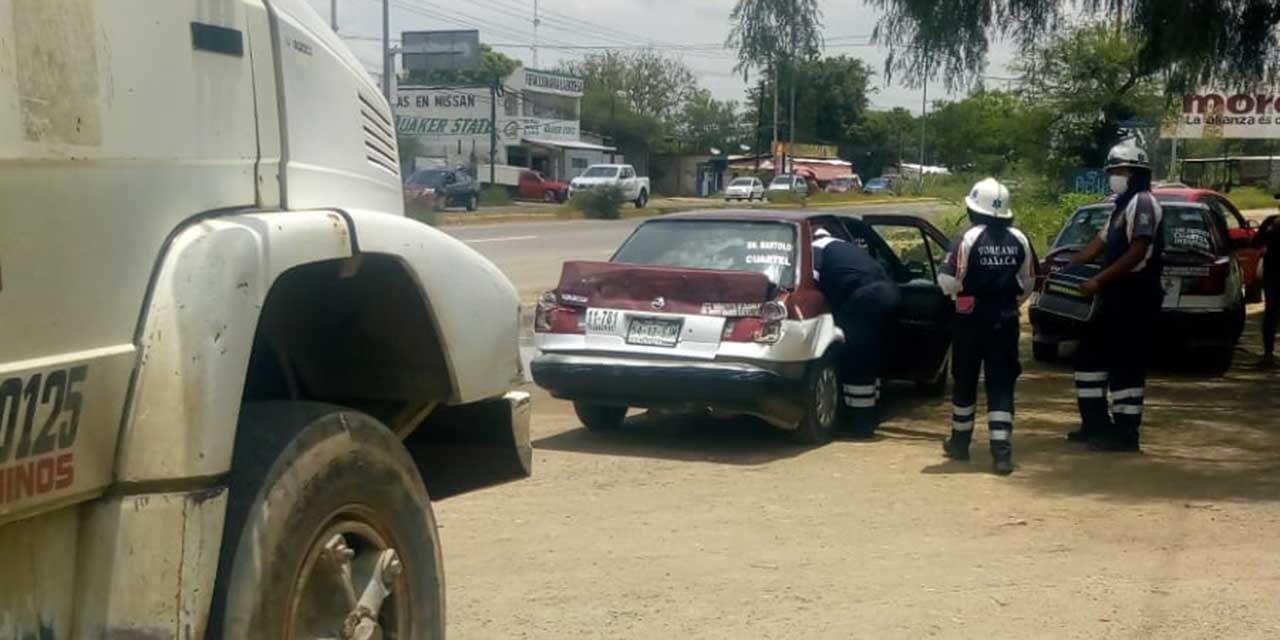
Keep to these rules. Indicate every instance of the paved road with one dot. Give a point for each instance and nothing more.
(531, 253)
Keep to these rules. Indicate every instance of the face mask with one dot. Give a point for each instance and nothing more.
(1119, 184)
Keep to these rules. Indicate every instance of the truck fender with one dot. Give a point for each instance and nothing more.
(197, 334)
(479, 327)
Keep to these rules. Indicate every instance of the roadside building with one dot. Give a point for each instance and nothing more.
(535, 114)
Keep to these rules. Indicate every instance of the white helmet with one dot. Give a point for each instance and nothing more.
(1127, 154)
(990, 198)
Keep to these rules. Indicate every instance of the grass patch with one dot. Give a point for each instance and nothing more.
(1252, 198)
(601, 203)
(1040, 206)
(495, 196)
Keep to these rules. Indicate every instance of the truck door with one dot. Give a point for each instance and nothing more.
(145, 123)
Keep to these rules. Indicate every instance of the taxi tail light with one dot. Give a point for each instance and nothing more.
(764, 328)
(552, 317)
(1214, 284)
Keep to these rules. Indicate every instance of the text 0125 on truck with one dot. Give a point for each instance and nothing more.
(227, 358)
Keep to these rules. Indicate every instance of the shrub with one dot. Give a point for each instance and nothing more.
(600, 203)
(494, 196)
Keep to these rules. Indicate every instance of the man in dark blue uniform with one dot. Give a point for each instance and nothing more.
(989, 271)
(863, 300)
(1116, 346)
(1269, 238)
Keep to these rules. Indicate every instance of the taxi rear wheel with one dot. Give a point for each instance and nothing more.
(599, 417)
(821, 401)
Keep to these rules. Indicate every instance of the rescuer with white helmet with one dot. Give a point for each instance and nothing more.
(989, 271)
(1116, 345)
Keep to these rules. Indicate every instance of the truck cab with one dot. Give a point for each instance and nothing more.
(227, 356)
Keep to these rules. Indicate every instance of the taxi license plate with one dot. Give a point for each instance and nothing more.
(654, 332)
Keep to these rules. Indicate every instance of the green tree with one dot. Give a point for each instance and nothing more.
(493, 64)
(772, 35)
(706, 123)
(881, 140)
(1088, 83)
(648, 80)
(987, 132)
(1194, 42)
(831, 103)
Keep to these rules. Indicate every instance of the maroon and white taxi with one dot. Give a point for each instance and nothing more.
(722, 311)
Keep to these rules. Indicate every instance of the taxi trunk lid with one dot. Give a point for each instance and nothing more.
(671, 290)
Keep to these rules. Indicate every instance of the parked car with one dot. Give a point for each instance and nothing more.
(744, 189)
(878, 185)
(622, 176)
(533, 186)
(844, 184)
(721, 311)
(789, 183)
(440, 188)
(1204, 305)
(1240, 230)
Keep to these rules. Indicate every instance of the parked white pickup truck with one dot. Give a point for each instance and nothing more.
(623, 176)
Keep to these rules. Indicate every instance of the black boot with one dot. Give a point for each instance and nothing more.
(957, 446)
(1116, 441)
(1079, 435)
(1002, 458)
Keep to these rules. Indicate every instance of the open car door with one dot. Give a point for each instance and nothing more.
(911, 251)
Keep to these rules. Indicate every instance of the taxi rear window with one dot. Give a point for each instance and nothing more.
(728, 245)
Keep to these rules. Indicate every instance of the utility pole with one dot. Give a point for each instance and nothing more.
(773, 148)
(759, 123)
(493, 129)
(924, 111)
(333, 15)
(536, 22)
(387, 63)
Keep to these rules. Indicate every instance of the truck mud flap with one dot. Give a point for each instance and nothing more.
(469, 447)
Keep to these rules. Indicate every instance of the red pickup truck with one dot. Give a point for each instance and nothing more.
(533, 186)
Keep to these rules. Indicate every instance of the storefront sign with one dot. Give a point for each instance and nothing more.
(1209, 114)
(552, 82)
(804, 150)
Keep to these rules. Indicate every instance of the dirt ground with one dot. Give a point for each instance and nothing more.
(700, 528)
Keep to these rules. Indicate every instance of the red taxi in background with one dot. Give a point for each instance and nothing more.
(1240, 231)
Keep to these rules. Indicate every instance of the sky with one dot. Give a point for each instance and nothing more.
(694, 30)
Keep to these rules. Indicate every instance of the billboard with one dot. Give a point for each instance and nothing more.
(1227, 114)
(440, 50)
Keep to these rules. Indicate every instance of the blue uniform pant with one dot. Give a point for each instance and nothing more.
(985, 343)
(864, 319)
(1113, 355)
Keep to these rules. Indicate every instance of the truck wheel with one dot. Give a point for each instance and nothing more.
(329, 532)
(549, 196)
(642, 199)
(1044, 351)
(473, 202)
(599, 417)
(821, 402)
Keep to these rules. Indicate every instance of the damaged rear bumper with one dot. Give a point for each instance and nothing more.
(767, 390)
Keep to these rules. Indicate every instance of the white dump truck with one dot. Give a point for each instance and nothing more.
(227, 360)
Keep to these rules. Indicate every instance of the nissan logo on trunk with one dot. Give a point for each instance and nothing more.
(659, 303)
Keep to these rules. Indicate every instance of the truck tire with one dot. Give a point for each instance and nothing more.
(473, 202)
(320, 495)
(597, 417)
(550, 196)
(821, 402)
(642, 199)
